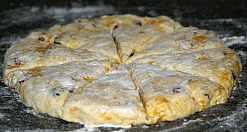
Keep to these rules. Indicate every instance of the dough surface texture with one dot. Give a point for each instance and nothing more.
(121, 70)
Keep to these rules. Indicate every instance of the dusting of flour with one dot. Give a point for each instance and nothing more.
(23, 15)
(235, 40)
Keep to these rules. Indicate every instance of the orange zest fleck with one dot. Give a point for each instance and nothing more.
(150, 62)
(161, 100)
(149, 75)
(73, 109)
(204, 108)
(114, 63)
(15, 66)
(107, 68)
(154, 112)
(104, 115)
(199, 39)
(202, 101)
(224, 77)
(108, 118)
(164, 100)
(203, 58)
(154, 21)
(87, 78)
(162, 117)
(231, 54)
(174, 67)
(36, 71)
(42, 49)
(109, 21)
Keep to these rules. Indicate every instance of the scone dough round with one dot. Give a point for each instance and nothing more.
(121, 70)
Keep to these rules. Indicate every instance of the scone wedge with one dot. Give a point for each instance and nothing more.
(46, 89)
(111, 99)
(169, 95)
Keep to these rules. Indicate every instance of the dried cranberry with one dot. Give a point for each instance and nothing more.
(131, 54)
(12, 88)
(138, 23)
(55, 42)
(22, 81)
(234, 76)
(93, 24)
(225, 53)
(206, 95)
(41, 38)
(114, 39)
(17, 61)
(176, 90)
(115, 27)
(72, 91)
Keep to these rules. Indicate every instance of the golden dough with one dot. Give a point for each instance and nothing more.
(121, 70)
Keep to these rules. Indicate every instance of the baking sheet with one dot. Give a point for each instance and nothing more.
(20, 21)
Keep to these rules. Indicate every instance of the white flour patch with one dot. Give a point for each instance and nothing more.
(89, 10)
(107, 125)
(87, 129)
(144, 126)
(185, 123)
(235, 40)
(1, 116)
(9, 40)
(242, 53)
(94, 128)
(7, 107)
(32, 112)
(231, 121)
(192, 121)
(243, 56)
(121, 130)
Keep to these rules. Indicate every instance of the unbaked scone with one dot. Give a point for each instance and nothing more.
(121, 70)
(168, 95)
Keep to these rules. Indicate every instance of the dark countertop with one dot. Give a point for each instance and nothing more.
(228, 18)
